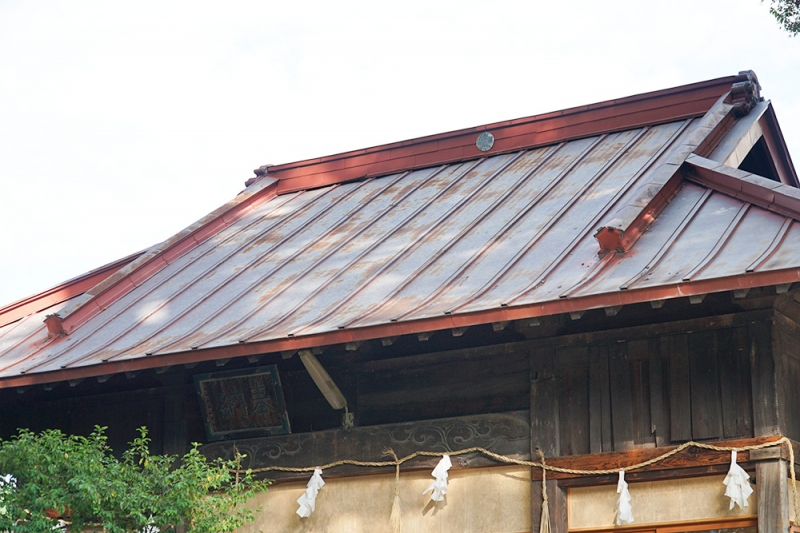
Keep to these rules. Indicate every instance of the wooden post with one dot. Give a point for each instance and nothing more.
(174, 424)
(772, 491)
(544, 404)
(557, 504)
(764, 376)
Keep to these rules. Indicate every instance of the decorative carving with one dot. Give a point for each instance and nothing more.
(745, 94)
(503, 433)
(244, 403)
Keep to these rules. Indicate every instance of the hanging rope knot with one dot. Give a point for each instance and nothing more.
(544, 523)
(394, 517)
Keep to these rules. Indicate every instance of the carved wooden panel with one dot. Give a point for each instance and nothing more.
(242, 403)
(503, 433)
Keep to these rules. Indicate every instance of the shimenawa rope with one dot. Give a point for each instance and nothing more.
(396, 462)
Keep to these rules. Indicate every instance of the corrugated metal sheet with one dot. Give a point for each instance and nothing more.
(503, 231)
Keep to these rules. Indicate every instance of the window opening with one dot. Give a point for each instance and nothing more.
(759, 162)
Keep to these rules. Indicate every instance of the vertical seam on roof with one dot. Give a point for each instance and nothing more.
(175, 293)
(377, 243)
(11, 326)
(776, 242)
(720, 244)
(535, 201)
(96, 327)
(156, 259)
(606, 260)
(541, 278)
(257, 259)
(345, 240)
(667, 245)
(554, 219)
(21, 342)
(452, 242)
(603, 212)
(589, 276)
(341, 220)
(109, 319)
(402, 285)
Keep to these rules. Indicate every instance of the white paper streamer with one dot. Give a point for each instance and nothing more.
(309, 498)
(624, 509)
(439, 485)
(738, 484)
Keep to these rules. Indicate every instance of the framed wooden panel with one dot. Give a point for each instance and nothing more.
(242, 403)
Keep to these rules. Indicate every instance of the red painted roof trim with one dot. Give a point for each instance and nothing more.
(444, 322)
(62, 292)
(170, 251)
(771, 195)
(540, 130)
(613, 115)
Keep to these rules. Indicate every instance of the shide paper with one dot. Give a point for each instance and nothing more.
(439, 485)
(738, 484)
(309, 498)
(624, 509)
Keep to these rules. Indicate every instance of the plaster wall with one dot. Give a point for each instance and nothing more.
(479, 500)
(655, 502)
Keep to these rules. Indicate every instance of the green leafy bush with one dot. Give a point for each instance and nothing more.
(75, 483)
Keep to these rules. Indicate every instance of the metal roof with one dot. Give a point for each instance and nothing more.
(489, 238)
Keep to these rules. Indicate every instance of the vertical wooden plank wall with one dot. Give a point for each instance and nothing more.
(544, 404)
(763, 375)
(680, 396)
(647, 392)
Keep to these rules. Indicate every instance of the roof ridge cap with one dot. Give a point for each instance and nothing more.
(623, 228)
(746, 186)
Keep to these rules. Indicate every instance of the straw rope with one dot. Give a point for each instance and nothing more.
(544, 522)
(396, 462)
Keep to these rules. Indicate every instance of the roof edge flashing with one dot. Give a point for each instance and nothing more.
(377, 332)
(158, 257)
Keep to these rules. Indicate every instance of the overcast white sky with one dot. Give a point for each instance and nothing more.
(122, 123)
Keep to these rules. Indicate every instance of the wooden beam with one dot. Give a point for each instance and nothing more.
(504, 433)
(773, 496)
(691, 457)
(656, 330)
(654, 475)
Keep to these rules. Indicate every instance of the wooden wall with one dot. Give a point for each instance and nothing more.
(710, 378)
(786, 342)
(617, 394)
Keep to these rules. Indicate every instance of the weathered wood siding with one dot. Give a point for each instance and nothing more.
(489, 379)
(711, 378)
(617, 394)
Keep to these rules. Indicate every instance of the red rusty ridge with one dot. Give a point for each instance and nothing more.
(649, 108)
(773, 196)
(445, 322)
(62, 292)
(614, 115)
(612, 239)
(172, 251)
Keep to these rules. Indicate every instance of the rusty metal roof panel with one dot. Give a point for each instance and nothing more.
(787, 254)
(455, 240)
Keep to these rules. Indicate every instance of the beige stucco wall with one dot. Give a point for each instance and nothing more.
(479, 500)
(655, 502)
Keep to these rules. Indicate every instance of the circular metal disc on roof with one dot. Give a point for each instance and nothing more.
(485, 141)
